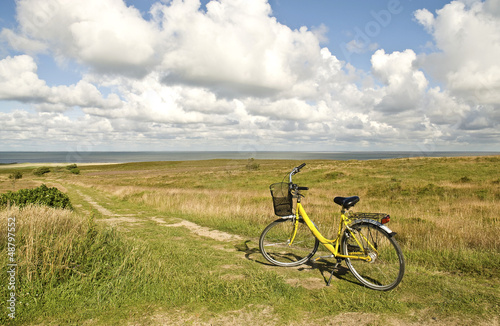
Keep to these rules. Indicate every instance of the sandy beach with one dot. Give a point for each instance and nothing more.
(36, 165)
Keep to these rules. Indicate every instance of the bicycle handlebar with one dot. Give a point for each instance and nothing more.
(296, 170)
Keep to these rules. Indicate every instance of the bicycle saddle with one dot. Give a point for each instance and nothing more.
(346, 202)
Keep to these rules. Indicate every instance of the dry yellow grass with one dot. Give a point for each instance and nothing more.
(44, 238)
(462, 224)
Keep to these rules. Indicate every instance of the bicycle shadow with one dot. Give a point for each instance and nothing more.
(243, 247)
(325, 267)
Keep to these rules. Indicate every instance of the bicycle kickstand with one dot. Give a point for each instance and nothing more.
(334, 268)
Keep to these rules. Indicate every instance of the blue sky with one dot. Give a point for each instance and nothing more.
(345, 20)
(250, 75)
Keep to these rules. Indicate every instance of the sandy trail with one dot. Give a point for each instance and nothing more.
(36, 165)
(201, 230)
(131, 218)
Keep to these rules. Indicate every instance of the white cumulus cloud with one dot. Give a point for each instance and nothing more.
(405, 85)
(19, 79)
(467, 34)
(234, 45)
(107, 35)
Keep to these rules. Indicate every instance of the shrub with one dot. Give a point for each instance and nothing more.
(431, 190)
(41, 171)
(42, 195)
(464, 179)
(14, 177)
(75, 171)
(71, 167)
(334, 175)
(251, 165)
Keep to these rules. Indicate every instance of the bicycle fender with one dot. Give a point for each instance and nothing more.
(380, 225)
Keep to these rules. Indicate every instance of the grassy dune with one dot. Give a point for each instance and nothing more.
(445, 211)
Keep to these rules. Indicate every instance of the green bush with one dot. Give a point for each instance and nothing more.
(71, 167)
(42, 195)
(252, 165)
(75, 171)
(334, 175)
(464, 179)
(14, 177)
(41, 171)
(431, 190)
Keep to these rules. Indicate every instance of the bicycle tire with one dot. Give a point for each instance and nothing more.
(274, 240)
(387, 267)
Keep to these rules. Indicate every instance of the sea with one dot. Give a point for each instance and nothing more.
(128, 157)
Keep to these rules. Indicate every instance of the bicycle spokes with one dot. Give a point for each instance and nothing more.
(368, 247)
(278, 249)
(380, 265)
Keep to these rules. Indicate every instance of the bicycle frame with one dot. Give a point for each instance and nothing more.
(331, 245)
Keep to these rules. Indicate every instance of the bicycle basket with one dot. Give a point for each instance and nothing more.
(282, 198)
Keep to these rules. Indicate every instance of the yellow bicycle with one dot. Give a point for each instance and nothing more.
(368, 246)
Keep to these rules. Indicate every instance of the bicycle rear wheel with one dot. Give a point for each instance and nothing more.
(275, 245)
(386, 269)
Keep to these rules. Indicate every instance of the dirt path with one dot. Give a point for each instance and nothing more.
(94, 204)
(115, 219)
(200, 230)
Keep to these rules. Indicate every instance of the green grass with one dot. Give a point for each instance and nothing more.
(445, 211)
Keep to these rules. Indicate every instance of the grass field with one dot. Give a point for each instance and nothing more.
(177, 243)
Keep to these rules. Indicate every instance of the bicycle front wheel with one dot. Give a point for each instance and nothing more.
(277, 248)
(386, 268)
